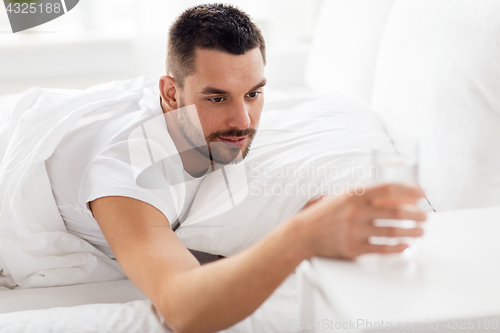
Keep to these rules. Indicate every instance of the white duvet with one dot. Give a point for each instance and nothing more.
(35, 248)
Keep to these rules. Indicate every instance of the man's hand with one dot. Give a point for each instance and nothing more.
(340, 227)
(314, 200)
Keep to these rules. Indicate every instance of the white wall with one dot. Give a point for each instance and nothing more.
(116, 39)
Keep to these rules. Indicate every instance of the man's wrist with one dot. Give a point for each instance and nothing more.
(299, 236)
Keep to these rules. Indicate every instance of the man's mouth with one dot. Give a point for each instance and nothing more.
(234, 142)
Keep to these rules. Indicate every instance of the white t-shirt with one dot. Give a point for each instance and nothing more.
(93, 161)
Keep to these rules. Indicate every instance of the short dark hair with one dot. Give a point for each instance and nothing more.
(219, 27)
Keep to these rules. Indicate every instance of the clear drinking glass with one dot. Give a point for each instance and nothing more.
(400, 166)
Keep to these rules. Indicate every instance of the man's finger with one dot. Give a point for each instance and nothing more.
(394, 201)
(372, 248)
(393, 232)
(403, 212)
(391, 190)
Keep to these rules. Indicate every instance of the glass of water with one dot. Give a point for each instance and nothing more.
(397, 166)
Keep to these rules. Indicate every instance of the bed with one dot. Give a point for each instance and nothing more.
(309, 135)
(424, 68)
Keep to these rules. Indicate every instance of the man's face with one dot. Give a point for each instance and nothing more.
(228, 93)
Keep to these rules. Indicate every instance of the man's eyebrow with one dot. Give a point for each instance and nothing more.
(261, 84)
(213, 91)
(216, 91)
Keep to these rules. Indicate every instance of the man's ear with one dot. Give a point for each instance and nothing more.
(168, 92)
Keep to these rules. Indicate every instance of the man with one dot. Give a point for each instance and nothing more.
(216, 59)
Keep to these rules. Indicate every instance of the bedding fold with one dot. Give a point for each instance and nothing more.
(36, 250)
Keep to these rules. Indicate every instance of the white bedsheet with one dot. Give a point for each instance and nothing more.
(120, 291)
(276, 315)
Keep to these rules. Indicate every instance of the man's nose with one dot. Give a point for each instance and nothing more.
(238, 115)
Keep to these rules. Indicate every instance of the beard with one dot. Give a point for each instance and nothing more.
(208, 147)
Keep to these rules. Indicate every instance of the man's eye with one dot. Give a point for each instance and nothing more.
(253, 94)
(216, 99)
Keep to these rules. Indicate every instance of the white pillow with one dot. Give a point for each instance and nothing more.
(438, 78)
(304, 147)
(345, 45)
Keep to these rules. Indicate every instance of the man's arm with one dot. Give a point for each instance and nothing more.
(208, 298)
